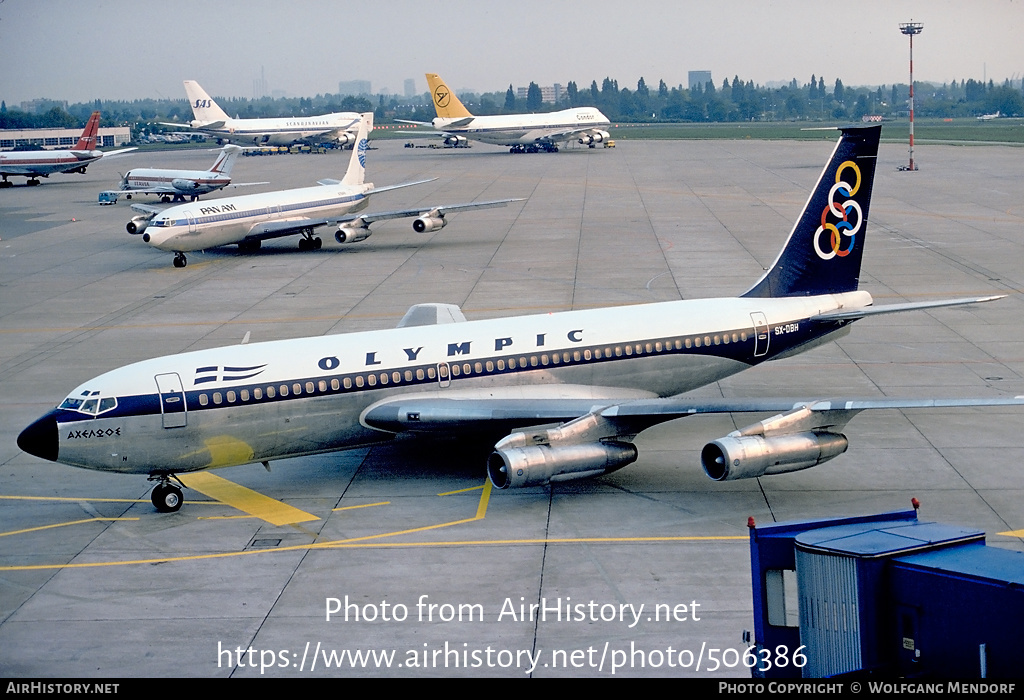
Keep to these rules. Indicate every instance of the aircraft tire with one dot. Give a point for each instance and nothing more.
(167, 498)
(317, 244)
(180, 260)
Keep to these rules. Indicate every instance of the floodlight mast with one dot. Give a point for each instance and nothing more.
(910, 29)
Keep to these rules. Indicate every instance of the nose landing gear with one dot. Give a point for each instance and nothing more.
(166, 496)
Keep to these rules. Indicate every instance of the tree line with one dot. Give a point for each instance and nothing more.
(733, 100)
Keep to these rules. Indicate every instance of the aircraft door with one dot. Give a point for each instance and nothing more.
(191, 222)
(172, 400)
(444, 377)
(761, 334)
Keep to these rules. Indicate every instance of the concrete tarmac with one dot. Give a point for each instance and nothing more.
(436, 574)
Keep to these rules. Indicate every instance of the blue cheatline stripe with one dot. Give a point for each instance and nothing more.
(426, 374)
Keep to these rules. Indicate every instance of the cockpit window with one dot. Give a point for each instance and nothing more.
(90, 406)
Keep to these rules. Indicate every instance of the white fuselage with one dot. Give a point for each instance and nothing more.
(524, 129)
(279, 131)
(33, 163)
(263, 401)
(193, 182)
(201, 225)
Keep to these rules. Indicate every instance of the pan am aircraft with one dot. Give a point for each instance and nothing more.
(591, 380)
(339, 127)
(251, 219)
(176, 185)
(523, 133)
(36, 164)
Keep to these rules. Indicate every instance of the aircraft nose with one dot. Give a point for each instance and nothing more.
(40, 438)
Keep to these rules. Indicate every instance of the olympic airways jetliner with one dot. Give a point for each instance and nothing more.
(523, 133)
(251, 219)
(176, 185)
(279, 131)
(569, 391)
(36, 164)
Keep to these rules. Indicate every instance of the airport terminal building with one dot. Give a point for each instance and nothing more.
(61, 138)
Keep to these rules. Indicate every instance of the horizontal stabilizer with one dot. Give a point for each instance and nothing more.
(400, 185)
(854, 314)
(431, 315)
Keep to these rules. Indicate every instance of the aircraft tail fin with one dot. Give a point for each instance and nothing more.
(226, 160)
(87, 141)
(204, 109)
(823, 252)
(446, 104)
(356, 173)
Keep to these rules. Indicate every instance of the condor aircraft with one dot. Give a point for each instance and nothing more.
(591, 380)
(36, 164)
(281, 131)
(523, 133)
(177, 184)
(251, 219)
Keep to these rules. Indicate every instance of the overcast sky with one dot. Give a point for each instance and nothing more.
(80, 50)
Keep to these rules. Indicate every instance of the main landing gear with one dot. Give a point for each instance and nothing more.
(180, 260)
(532, 148)
(166, 496)
(309, 241)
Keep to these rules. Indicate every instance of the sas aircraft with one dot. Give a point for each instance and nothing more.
(339, 127)
(522, 133)
(249, 220)
(36, 164)
(176, 185)
(569, 391)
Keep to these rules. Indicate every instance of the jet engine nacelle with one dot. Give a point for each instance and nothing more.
(453, 140)
(351, 234)
(542, 464)
(750, 456)
(426, 224)
(137, 225)
(345, 139)
(183, 185)
(594, 137)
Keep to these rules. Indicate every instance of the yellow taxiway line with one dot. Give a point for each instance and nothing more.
(246, 500)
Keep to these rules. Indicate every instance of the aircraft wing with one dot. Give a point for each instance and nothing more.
(244, 184)
(146, 209)
(555, 438)
(110, 154)
(474, 412)
(431, 211)
(361, 222)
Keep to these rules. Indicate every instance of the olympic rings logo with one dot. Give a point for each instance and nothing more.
(843, 226)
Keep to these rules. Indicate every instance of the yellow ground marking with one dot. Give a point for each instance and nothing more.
(74, 500)
(362, 543)
(449, 493)
(73, 522)
(365, 505)
(246, 500)
(1012, 533)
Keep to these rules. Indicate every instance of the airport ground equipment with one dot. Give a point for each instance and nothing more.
(884, 595)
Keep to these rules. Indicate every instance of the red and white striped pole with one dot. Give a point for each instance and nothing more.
(910, 29)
